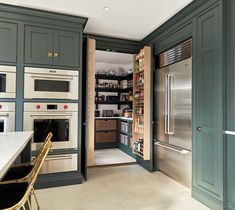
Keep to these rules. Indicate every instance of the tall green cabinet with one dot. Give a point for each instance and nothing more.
(230, 100)
(208, 110)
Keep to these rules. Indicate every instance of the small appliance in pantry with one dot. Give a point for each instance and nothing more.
(59, 118)
(7, 81)
(7, 117)
(108, 113)
(51, 83)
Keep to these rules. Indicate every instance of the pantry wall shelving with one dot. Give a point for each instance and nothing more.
(141, 103)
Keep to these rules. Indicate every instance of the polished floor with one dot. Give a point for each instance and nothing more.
(120, 188)
(112, 156)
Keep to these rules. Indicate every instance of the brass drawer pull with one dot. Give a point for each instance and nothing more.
(56, 54)
(50, 54)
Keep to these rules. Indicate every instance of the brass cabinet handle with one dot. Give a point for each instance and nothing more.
(50, 54)
(199, 129)
(56, 54)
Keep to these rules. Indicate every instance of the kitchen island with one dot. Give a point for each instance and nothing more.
(12, 144)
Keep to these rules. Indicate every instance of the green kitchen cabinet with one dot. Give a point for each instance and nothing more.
(230, 101)
(8, 42)
(38, 45)
(231, 171)
(67, 45)
(208, 108)
(44, 46)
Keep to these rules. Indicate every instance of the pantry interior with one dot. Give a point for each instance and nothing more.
(113, 108)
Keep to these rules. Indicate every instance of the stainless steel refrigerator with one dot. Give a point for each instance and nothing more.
(173, 111)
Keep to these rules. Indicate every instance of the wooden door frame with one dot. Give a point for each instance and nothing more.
(90, 101)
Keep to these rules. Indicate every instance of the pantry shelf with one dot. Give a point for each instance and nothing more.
(141, 103)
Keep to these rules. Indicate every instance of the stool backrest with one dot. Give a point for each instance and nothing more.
(36, 170)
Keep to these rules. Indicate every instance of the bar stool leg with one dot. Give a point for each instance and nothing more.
(24, 208)
(33, 192)
(29, 205)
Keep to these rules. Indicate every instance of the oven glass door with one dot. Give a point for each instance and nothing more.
(3, 82)
(47, 85)
(58, 127)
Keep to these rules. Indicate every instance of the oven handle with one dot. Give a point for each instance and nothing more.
(52, 77)
(4, 115)
(51, 114)
(62, 157)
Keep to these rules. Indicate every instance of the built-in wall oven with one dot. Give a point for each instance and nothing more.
(7, 117)
(7, 81)
(59, 118)
(51, 83)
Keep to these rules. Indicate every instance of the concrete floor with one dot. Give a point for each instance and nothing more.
(120, 188)
(112, 156)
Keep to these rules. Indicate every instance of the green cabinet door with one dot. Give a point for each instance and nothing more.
(208, 120)
(38, 45)
(230, 100)
(66, 48)
(231, 171)
(8, 42)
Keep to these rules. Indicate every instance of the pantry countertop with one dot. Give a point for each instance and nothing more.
(114, 118)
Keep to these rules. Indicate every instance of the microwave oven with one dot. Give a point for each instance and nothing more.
(7, 81)
(51, 83)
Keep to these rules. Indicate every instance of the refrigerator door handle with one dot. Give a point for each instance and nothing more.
(166, 105)
(170, 110)
(181, 151)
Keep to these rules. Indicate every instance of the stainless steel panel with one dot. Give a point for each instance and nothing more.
(161, 122)
(175, 163)
(181, 97)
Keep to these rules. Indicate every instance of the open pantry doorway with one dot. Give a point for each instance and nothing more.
(109, 107)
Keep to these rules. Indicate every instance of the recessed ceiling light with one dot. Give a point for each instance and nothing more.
(106, 8)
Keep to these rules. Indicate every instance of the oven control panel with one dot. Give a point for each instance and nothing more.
(7, 107)
(50, 107)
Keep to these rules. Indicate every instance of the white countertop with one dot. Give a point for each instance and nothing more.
(118, 118)
(11, 145)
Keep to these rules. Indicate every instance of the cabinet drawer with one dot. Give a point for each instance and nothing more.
(105, 125)
(108, 136)
(60, 163)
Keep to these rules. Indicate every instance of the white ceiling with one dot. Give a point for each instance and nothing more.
(113, 57)
(130, 19)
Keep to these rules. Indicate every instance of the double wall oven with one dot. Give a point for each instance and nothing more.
(7, 117)
(51, 83)
(59, 118)
(7, 81)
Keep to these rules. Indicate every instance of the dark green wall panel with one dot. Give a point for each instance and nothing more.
(115, 44)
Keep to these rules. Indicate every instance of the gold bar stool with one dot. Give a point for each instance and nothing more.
(14, 194)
